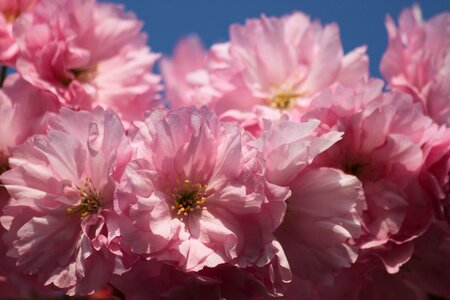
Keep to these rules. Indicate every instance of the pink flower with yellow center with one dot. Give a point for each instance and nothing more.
(88, 54)
(60, 219)
(195, 192)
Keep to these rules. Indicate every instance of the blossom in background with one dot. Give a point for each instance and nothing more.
(10, 11)
(417, 60)
(185, 75)
(88, 54)
(436, 173)
(279, 63)
(284, 61)
(388, 161)
(60, 222)
(422, 276)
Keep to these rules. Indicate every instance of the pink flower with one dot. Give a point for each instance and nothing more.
(194, 193)
(9, 12)
(13, 283)
(185, 76)
(421, 276)
(155, 280)
(322, 218)
(284, 61)
(417, 61)
(60, 220)
(88, 54)
(383, 145)
(321, 222)
(426, 269)
(436, 173)
(274, 62)
(23, 111)
(369, 280)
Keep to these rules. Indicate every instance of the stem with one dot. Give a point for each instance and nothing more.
(3, 74)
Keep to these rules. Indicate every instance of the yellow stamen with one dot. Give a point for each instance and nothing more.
(90, 200)
(83, 75)
(10, 16)
(188, 197)
(284, 100)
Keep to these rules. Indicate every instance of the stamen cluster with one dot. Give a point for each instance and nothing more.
(90, 200)
(284, 100)
(189, 197)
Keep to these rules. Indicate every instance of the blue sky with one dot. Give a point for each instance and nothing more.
(361, 21)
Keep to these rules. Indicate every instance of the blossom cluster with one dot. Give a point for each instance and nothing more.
(272, 165)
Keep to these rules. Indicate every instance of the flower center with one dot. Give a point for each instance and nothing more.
(284, 100)
(353, 168)
(290, 217)
(10, 16)
(4, 164)
(84, 75)
(90, 200)
(4, 167)
(362, 168)
(189, 197)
